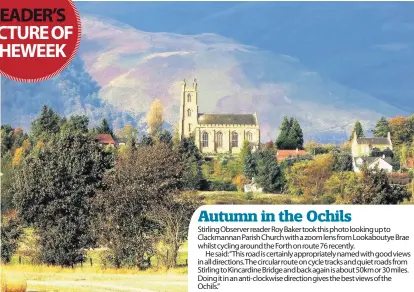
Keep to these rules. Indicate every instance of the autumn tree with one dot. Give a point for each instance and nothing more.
(155, 117)
(343, 186)
(173, 218)
(402, 130)
(150, 178)
(382, 128)
(308, 178)
(53, 190)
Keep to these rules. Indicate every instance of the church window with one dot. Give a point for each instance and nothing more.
(234, 139)
(219, 139)
(189, 113)
(204, 139)
(249, 136)
(189, 128)
(189, 97)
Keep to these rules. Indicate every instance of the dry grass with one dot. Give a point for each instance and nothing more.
(9, 284)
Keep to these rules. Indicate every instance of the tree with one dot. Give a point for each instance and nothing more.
(378, 191)
(53, 191)
(295, 135)
(344, 186)
(147, 141)
(164, 136)
(76, 124)
(173, 218)
(342, 161)
(307, 178)
(284, 132)
(250, 166)
(155, 118)
(402, 130)
(291, 135)
(190, 154)
(104, 128)
(403, 156)
(47, 123)
(358, 130)
(382, 128)
(269, 174)
(11, 230)
(149, 179)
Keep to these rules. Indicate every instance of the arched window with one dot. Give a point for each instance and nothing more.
(204, 139)
(189, 97)
(219, 139)
(249, 136)
(234, 139)
(189, 113)
(189, 128)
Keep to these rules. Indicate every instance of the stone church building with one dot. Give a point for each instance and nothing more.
(215, 133)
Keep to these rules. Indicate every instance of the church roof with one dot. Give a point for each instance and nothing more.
(227, 119)
(374, 141)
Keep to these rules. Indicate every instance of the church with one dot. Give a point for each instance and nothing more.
(215, 133)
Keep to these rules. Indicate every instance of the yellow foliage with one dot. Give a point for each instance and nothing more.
(240, 180)
(217, 168)
(18, 156)
(155, 117)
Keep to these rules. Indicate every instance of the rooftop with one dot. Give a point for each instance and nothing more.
(227, 119)
(105, 138)
(375, 141)
(283, 154)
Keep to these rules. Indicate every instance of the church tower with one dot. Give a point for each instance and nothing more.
(188, 109)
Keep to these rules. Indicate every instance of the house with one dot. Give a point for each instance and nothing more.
(372, 152)
(215, 133)
(283, 154)
(365, 146)
(105, 139)
(384, 163)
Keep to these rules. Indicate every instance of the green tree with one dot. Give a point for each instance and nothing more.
(47, 123)
(284, 133)
(53, 191)
(146, 140)
(358, 130)
(291, 135)
(190, 154)
(295, 136)
(11, 230)
(269, 173)
(77, 124)
(378, 191)
(342, 161)
(382, 128)
(104, 128)
(165, 136)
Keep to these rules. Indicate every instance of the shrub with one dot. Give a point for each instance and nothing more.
(248, 196)
(328, 200)
(217, 185)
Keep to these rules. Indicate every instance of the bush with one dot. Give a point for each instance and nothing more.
(248, 196)
(217, 185)
(328, 200)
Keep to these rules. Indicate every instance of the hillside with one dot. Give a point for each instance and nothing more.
(133, 67)
(120, 70)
